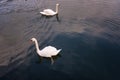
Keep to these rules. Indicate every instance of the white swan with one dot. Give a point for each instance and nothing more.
(50, 12)
(48, 51)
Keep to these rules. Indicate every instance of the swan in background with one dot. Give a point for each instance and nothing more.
(50, 12)
(48, 51)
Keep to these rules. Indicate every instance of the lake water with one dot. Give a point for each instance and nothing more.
(87, 31)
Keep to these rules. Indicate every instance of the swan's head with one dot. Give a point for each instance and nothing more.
(33, 39)
(57, 4)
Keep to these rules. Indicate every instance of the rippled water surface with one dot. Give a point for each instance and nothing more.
(87, 31)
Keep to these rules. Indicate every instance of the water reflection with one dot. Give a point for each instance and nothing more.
(88, 54)
(48, 17)
(83, 56)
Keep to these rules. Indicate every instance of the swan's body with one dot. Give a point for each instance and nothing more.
(48, 51)
(50, 12)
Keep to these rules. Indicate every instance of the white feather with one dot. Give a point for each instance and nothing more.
(50, 12)
(48, 51)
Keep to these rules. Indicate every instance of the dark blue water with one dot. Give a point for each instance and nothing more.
(87, 31)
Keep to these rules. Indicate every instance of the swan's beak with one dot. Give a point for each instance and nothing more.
(31, 41)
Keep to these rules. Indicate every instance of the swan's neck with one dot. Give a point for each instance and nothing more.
(37, 46)
(57, 9)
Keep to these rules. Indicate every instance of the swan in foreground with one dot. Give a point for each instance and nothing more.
(50, 12)
(48, 51)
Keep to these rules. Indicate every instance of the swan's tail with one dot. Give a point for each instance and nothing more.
(43, 13)
(59, 50)
(56, 53)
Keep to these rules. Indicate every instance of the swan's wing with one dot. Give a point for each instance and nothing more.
(49, 11)
(49, 51)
